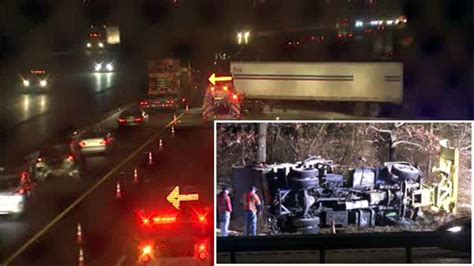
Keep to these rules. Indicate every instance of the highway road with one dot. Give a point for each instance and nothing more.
(107, 224)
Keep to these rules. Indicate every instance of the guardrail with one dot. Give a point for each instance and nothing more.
(407, 240)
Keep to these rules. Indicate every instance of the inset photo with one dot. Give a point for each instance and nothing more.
(343, 192)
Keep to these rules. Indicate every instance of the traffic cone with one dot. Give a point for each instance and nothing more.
(135, 175)
(172, 130)
(150, 158)
(160, 145)
(187, 108)
(79, 234)
(81, 257)
(118, 192)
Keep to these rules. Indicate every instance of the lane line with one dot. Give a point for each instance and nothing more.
(121, 260)
(89, 191)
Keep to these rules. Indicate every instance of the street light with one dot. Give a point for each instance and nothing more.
(246, 37)
(243, 36)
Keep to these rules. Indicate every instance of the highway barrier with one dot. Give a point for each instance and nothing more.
(323, 242)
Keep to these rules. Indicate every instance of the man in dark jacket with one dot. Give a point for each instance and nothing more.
(224, 208)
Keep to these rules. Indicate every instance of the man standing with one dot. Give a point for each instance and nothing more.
(224, 208)
(251, 204)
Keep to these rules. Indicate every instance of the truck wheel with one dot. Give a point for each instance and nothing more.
(303, 172)
(309, 230)
(359, 109)
(303, 183)
(306, 222)
(375, 109)
(405, 172)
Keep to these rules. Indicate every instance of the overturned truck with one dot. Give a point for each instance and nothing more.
(307, 195)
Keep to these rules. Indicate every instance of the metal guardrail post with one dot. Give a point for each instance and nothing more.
(233, 257)
(408, 254)
(322, 255)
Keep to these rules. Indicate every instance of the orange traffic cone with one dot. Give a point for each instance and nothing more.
(135, 175)
(81, 257)
(172, 130)
(150, 158)
(160, 145)
(79, 234)
(118, 192)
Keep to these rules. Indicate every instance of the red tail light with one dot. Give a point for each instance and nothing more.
(350, 35)
(183, 100)
(70, 158)
(121, 120)
(39, 160)
(24, 176)
(212, 88)
(235, 97)
(201, 250)
(146, 253)
(138, 119)
(339, 35)
(82, 144)
(143, 103)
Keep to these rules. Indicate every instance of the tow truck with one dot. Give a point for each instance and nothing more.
(220, 99)
(176, 232)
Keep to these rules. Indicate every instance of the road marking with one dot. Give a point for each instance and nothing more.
(83, 196)
(121, 260)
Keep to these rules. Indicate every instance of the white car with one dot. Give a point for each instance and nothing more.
(93, 142)
(14, 192)
(104, 67)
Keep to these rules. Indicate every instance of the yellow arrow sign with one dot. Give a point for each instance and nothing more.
(175, 198)
(213, 79)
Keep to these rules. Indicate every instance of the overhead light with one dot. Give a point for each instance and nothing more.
(26, 83)
(43, 83)
(89, 45)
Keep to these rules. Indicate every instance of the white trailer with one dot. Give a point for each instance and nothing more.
(363, 84)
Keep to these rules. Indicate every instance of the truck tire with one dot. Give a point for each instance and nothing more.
(303, 183)
(374, 110)
(405, 172)
(306, 222)
(303, 172)
(359, 109)
(309, 230)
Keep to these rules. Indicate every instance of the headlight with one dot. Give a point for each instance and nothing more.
(43, 83)
(98, 67)
(101, 44)
(89, 45)
(109, 67)
(26, 83)
(455, 229)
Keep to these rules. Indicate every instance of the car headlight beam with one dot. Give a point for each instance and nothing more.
(101, 44)
(26, 83)
(43, 83)
(109, 67)
(98, 67)
(455, 229)
(89, 45)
